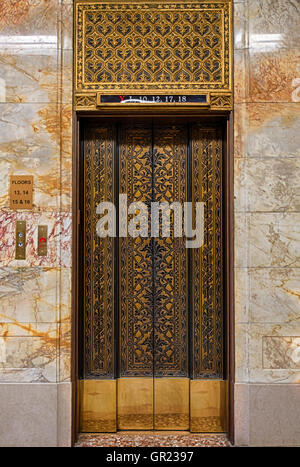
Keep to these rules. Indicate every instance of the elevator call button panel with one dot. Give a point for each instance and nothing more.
(42, 240)
(21, 240)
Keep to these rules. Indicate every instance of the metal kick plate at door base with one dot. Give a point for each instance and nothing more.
(21, 240)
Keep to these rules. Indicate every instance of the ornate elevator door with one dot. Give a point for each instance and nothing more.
(152, 309)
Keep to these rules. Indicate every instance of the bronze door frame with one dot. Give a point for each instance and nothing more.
(226, 121)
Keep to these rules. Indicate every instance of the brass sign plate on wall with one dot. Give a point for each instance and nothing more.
(175, 48)
(21, 191)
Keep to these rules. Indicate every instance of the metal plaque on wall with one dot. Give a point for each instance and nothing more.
(21, 191)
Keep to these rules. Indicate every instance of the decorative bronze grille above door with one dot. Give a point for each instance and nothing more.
(152, 310)
(151, 47)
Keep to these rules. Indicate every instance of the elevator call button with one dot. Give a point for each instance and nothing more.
(42, 240)
(20, 240)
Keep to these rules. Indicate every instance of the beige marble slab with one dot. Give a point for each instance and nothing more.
(258, 353)
(267, 240)
(242, 369)
(14, 328)
(28, 375)
(279, 18)
(241, 295)
(64, 358)
(35, 139)
(249, 353)
(66, 77)
(266, 130)
(267, 295)
(281, 352)
(41, 295)
(28, 18)
(272, 74)
(29, 77)
(30, 352)
(66, 19)
(269, 184)
(241, 76)
(66, 158)
(241, 234)
(29, 144)
(240, 25)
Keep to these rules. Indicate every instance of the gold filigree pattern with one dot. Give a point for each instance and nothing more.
(207, 262)
(170, 256)
(98, 255)
(221, 101)
(152, 46)
(136, 261)
(154, 276)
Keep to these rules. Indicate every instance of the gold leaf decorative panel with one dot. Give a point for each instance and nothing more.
(177, 47)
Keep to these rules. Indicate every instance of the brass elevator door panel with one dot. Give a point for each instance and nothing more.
(151, 309)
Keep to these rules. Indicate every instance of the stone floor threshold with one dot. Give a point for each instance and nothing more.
(157, 439)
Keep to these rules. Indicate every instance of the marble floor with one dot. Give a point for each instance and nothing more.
(158, 439)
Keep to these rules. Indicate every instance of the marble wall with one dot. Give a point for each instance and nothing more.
(267, 215)
(36, 139)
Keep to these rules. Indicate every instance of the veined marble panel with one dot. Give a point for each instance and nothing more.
(275, 22)
(241, 234)
(249, 353)
(268, 184)
(241, 128)
(273, 75)
(67, 24)
(66, 158)
(281, 352)
(29, 77)
(267, 240)
(64, 328)
(30, 353)
(36, 76)
(66, 84)
(34, 294)
(241, 76)
(45, 374)
(34, 19)
(240, 25)
(59, 238)
(15, 328)
(30, 142)
(267, 295)
(257, 372)
(64, 361)
(35, 352)
(36, 138)
(267, 130)
(267, 219)
(266, 76)
(241, 295)
(65, 300)
(242, 370)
